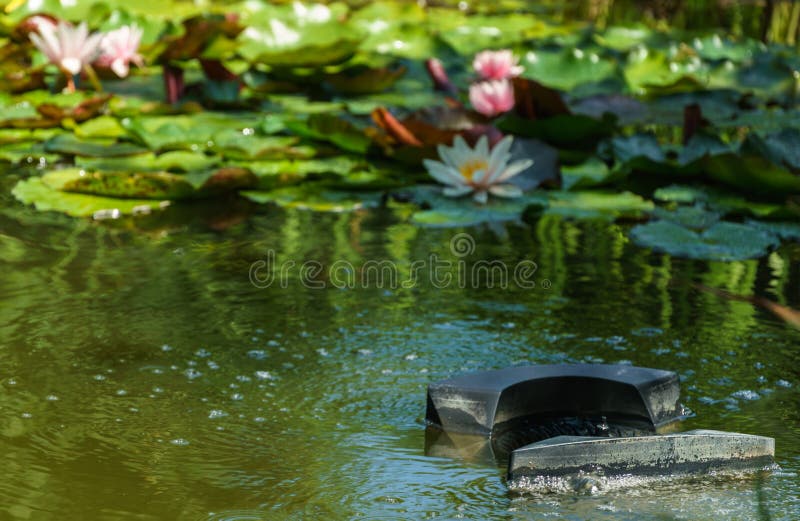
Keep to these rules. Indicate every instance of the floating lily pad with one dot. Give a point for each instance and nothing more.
(45, 198)
(178, 160)
(723, 241)
(71, 145)
(150, 185)
(316, 197)
(598, 205)
(589, 173)
(440, 211)
(570, 69)
(722, 202)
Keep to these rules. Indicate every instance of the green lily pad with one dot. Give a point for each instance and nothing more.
(437, 210)
(789, 231)
(572, 131)
(100, 127)
(274, 174)
(692, 217)
(45, 198)
(624, 39)
(70, 145)
(723, 241)
(149, 185)
(588, 174)
(317, 197)
(327, 127)
(607, 206)
(719, 201)
(569, 69)
(178, 160)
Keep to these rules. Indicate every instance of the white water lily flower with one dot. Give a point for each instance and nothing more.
(476, 171)
(68, 48)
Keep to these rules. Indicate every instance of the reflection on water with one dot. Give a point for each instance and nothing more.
(142, 376)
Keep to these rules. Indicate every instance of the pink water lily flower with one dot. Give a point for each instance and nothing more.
(476, 171)
(492, 98)
(69, 48)
(496, 65)
(119, 50)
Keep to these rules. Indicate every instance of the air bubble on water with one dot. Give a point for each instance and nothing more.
(257, 354)
(386, 371)
(761, 379)
(411, 356)
(237, 397)
(264, 375)
(509, 325)
(166, 348)
(648, 331)
(121, 392)
(243, 378)
(365, 352)
(191, 374)
(273, 343)
(259, 419)
(99, 377)
(158, 390)
(323, 352)
(783, 383)
(51, 398)
(216, 413)
(212, 365)
(180, 442)
(758, 365)
(26, 415)
(202, 353)
(191, 363)
(747, 395)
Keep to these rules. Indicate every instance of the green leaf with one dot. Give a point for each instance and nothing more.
(178, 160)
(569, 69)
(70, 145)
(326, 127)
(723, 241)
(45, 198)
(598, 205)
(588, 174)
(438, 210)
(317, 197)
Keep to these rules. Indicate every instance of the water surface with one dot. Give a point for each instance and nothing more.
(143, 375)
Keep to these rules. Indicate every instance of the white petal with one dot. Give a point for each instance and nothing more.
(509, 191)
(482, 147)
(71, 65)
(120, 67)
(448, 155)
(457, 191)
(500, 155)
(481, 196)
(513, 169)
(443, 173)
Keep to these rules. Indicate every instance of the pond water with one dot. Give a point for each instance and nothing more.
(143, 376)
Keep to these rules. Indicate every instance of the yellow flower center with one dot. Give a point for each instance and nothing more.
(472, 166)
